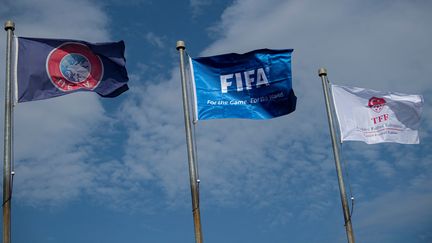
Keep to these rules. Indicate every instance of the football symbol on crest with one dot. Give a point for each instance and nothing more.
(376, 104)
(73, 66)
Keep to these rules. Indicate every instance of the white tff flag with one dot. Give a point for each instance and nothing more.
(375, 117)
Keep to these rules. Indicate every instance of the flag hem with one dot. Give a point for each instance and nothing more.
(195, 102)
(336, 111)
(15, 69)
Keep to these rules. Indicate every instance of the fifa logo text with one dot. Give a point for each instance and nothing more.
(252, 78)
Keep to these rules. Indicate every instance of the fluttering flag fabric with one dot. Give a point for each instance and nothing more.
(47, 68)
(375, 116)
(253, 85)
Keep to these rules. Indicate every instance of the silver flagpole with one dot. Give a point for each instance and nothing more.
(190, 148)
(322, 72)
(7, 193)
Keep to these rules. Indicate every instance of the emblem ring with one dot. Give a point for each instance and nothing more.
(87, 69)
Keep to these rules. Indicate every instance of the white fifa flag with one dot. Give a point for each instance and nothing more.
(376, 117)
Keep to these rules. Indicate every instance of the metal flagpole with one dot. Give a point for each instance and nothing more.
(322, 72)
(7, 193)
(190, 148)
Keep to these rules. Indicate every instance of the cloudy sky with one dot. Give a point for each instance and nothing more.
(92, 170)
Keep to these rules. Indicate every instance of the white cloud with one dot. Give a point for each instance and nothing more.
(51, 182)
(79, 19)
(237, 159)
(288, 160)
(155, 40)
(274, 164)
(54, 139)
(197, 6)
(395, 211)
(359, 42)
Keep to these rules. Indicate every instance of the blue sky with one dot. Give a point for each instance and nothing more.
(93, 170)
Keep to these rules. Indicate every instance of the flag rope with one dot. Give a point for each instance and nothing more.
(345, 165)
(9, 198)
(194, 121)
(196, 156)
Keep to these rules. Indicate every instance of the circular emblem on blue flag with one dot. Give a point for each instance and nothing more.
(73, 66)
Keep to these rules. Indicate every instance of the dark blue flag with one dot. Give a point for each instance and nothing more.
(254, 85)
(49, 68)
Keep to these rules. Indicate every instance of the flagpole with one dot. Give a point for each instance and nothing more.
(190, 148)
(322, 72)
(7, 193)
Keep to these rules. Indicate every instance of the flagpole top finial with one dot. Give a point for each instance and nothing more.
(9, 25)
(180, 45)
(322, 71)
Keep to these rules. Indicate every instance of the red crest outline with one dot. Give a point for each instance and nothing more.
(376, 104)
(55, 57)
